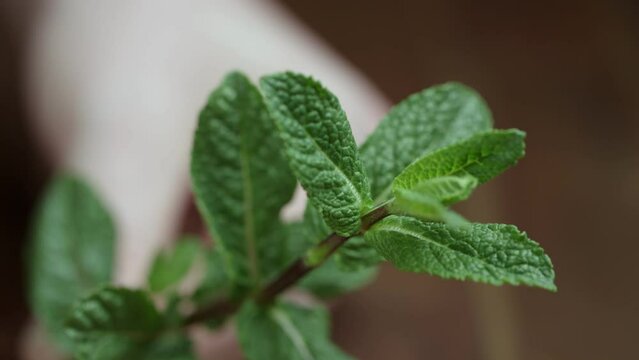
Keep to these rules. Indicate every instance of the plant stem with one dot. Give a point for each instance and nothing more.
(226, 307)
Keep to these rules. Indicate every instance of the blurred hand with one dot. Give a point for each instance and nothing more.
(116, 87)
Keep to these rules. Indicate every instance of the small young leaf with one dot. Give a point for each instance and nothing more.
(491, 253)
(285, 331)
(330, 280)
(241, 180)
(111, 321)
(424, 206)
(423, 122)
(71, 251)
(171, 266)
(320, 148)
(446, 189)
(483, 156)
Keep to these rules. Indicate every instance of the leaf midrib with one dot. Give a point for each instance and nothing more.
(287, 326)
(352, 186)
(247, 199)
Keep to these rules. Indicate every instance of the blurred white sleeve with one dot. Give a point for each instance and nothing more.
(116, 87)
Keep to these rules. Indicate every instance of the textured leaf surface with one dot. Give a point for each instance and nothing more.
(491, 253)
(241, 179)
(424, 206)
(285, 331)
(423, 122)
(166, 347)
(483, 156)
(320, 148)
(112, 321)
(171, 266)
(71, 251)
(330, 280)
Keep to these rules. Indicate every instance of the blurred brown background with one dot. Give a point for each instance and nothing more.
(566, 72)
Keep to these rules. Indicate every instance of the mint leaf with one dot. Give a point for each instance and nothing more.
(491, 253)
(424, 206)
(320, 148)
(428, 199)
(330, 280)
(171, 346)
(285, 331)
(111, 321)
(423, 122)
(446, 189)
(170, 266)
(241, 180)
(216, 283)
(483, 156)
(71, 251)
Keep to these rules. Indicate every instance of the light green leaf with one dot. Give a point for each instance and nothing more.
(423, 122)
(111, 321)
(426, 207)
(172, 265)
(320, 148)
(330, 280)
(491, 253)
(241, 180)
(71, 251)
(446, 189)
(483, 156)
(285, 331)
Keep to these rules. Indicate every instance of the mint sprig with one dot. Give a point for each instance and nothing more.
(386, 201)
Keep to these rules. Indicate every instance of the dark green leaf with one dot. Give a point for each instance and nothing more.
(71, 251)
(320, 148)
(112, 321)
(491, 253)
(285, 331)
(241, 180)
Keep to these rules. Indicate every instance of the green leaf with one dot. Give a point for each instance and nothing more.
(285, 331)
(426, 207)
(330, 280)
(320, 148)
(172, 265)
(71, 251)
(423, 122)
(483, 156)
(241, 180)
(112, 321)
(117, 323)
(491, 253)
(446, 189)
(172, 346)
